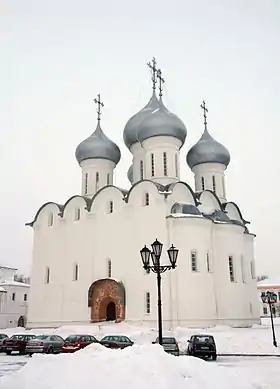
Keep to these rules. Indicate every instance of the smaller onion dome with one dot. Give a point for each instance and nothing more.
(98, 145)
(161, 122)
(131, 128)
(130, 174)
(207, 150)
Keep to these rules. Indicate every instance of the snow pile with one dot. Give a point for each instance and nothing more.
(141, 366)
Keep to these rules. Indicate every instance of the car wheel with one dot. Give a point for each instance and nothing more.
(214, 357)
(21, 352)
(50, 350)
(8, 352)
(30, 354)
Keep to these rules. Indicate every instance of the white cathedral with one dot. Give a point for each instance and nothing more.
(86, 253)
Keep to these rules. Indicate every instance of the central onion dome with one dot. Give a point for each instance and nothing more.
(131, 128)
(98, 146)
(207, 150)
(161, 122)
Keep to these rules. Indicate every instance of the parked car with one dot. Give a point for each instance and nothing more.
(202, 346)
(76, 342)
(45, 344)
(116, 341)
(170, 345)
(2, 338)
(17, 343)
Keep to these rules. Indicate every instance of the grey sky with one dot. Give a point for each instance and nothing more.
(58, 54)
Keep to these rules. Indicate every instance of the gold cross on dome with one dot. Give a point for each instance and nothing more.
(205, 110)
(99, 105)
(153, 68)
(161, 81)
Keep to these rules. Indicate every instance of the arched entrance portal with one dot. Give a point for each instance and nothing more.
(111, 311)
(106, 298)
(21, 322)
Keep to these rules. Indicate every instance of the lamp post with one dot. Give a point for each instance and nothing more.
(156, 267)
(270, 298)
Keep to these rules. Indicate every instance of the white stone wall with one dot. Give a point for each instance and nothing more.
(11, 310)
(206, 172)
(200, 298)
(96, 173)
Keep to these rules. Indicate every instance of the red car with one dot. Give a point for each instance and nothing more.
(17, 343)
(77, 342)
(116, 341)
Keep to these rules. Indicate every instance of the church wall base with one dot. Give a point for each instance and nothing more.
(167, 324)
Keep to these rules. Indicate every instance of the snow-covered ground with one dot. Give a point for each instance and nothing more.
(256, 340)
(146, 365)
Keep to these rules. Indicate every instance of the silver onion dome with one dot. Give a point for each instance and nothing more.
(130, 174)
(207, 150)
(131, 128)
(98, 145)
(161, 122)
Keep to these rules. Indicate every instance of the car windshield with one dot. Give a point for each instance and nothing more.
(167, 340)
(204, 339)
(42, 337)
(121, 339)
(18, 337)
(72, 338)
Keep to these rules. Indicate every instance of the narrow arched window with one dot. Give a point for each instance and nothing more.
(47, 275)
(176, 166)
(77, 214)
(152, 165)
(110, 207)
(50, 219)
(97, 180)
(141, 170)
(76, 272)
(253, 270)
(202, 183)
(231, 269)
(86, 183)
(164, 163)
(147, 199)
(109, 264)
(214, 183)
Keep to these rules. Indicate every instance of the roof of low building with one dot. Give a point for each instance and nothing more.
(271, 281)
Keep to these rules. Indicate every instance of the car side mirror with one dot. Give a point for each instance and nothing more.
(188, 341)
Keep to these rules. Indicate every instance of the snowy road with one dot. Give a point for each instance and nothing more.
(263, 370)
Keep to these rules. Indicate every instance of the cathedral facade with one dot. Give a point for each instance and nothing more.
(86, 257)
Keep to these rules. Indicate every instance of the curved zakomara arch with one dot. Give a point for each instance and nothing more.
(59, 208)
(170, 187)
(103, 292)
(86, 200)
(158, 186)
(104, 188)
(214, 195)
(238, 211)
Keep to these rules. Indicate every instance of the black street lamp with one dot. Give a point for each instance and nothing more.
(270, 298)
(157, 268)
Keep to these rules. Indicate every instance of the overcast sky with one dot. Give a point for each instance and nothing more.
(56, 55)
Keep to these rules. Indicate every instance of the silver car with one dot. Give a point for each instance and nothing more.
(2, 338)
(48, 344)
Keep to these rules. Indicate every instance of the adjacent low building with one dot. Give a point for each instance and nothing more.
(272, 285)
(13, 299)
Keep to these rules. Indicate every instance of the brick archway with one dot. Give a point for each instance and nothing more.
(103, 292)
